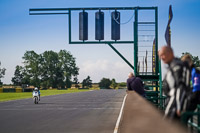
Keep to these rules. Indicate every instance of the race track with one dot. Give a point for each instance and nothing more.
(84, 112)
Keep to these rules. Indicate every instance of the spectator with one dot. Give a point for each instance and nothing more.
(194, 95)
(175, 84)
(135, 83)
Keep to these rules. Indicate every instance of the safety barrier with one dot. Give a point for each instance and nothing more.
(18, 90)
(27, 89)
(139, 116)
(8, 90)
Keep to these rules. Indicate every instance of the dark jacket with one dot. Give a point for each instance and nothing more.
(135, 83)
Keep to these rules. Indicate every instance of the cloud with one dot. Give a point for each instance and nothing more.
(100, 65)
(104, 68)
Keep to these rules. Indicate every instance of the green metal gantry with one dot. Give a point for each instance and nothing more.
(153, 77)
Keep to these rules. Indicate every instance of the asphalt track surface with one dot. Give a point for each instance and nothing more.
(84, 112)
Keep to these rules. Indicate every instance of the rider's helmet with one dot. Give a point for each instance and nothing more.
(36, 89)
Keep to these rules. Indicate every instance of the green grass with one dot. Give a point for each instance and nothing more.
(23, 95)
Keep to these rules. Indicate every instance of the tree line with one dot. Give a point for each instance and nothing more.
(51, 69)
(57, 70)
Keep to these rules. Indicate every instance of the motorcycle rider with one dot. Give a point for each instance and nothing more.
(37, 89)
(176, 83)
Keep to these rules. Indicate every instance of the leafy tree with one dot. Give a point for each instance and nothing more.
(195, 59)
(76, 82)
(123, 84)
(2, 73)
(18, 76)
(87, 82)
(68, 83)
(49, 69)
(83, 83)
(67, 64)
(105, 83)
(113, 84)
(32, 67)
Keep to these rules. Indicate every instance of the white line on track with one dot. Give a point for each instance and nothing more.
(120, 115)
(58, 109)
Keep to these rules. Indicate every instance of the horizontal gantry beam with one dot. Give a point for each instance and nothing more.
(58, 11)
(97, 8)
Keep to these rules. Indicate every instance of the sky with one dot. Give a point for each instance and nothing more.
(21, 32)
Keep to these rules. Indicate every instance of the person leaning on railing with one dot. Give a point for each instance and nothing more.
(135, 84)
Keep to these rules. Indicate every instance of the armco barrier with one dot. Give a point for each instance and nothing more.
(9, 90)
(18, 90)
(27, 89)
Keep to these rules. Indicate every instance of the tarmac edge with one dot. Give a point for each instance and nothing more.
(120, 115)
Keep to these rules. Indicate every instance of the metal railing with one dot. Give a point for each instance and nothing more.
(158, 101)
(192, 119)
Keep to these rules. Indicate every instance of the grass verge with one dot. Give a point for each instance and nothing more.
(15, 96)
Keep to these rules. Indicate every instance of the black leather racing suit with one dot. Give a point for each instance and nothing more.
(176, 84)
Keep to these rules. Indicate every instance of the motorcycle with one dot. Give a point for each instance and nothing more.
(35, 97)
